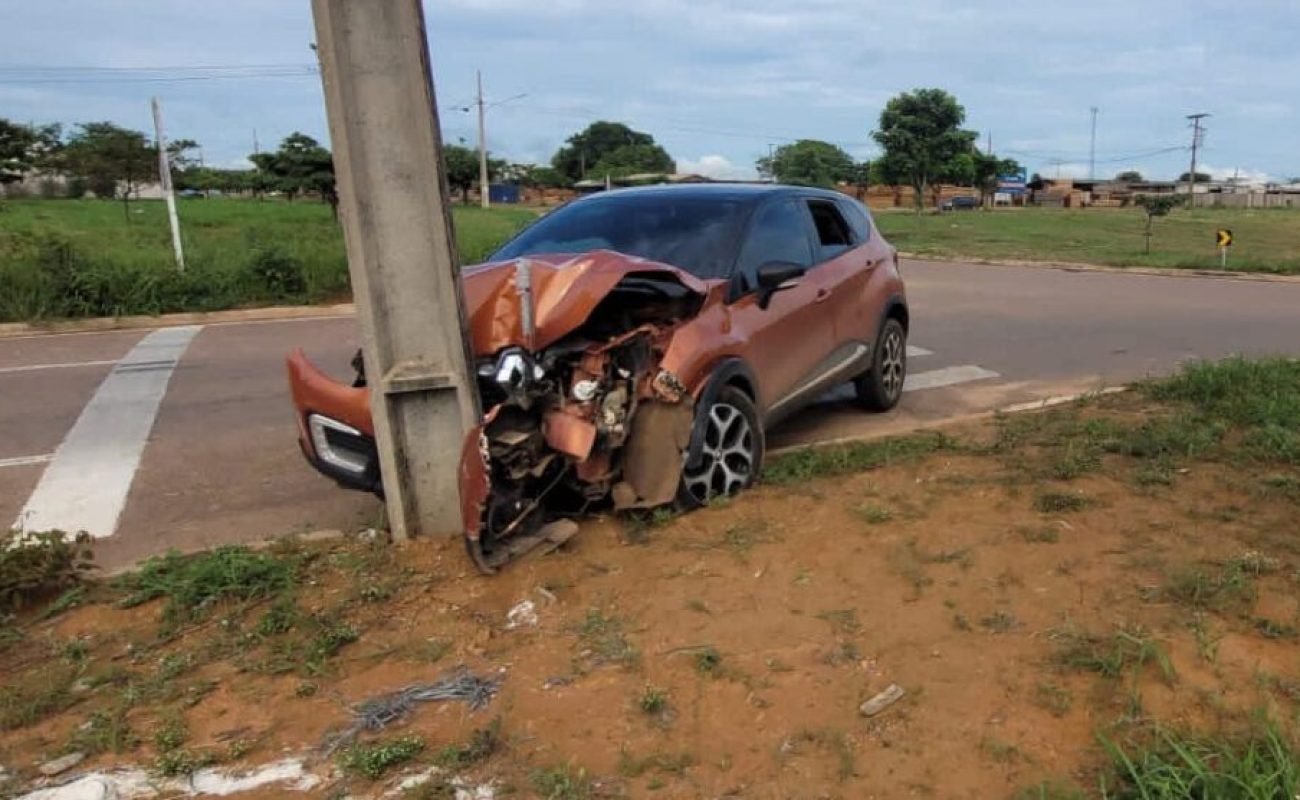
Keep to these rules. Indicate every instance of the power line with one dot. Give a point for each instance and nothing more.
(185, 68)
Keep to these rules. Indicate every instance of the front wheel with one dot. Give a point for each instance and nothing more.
(731, 454)
(881, 387)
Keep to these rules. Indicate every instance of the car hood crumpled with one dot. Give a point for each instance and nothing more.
(565, 290)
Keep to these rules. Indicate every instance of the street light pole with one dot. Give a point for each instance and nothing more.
(1092, 148)
(482, 146)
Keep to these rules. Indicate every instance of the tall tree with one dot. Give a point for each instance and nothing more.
(299, 166)
(808, 162)
(1129, 176)
(25, 149)
(631, 159)
(921, 134)
(113, 161)
(1201, 177)
(584, 151)
(461, 166)
(986, 169)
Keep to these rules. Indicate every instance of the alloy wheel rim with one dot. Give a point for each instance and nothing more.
(892, 363)
(727, 456)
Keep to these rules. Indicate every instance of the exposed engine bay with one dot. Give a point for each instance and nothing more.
(589, 421)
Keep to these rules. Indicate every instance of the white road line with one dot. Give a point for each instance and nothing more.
(85, 486)
(64, 365)
(26, 461)
(916, 352)
(948, 376)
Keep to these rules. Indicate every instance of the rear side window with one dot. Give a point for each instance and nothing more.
(778, 232)
(833, 231)
(858, 219)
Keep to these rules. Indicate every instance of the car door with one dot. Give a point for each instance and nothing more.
(784, 342)
(848, 259)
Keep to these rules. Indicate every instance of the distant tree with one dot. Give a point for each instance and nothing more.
(584, 150)
(25, 149)
(1130, 176)
(632, 159)
(921, 134)
(178, 153)
(461, 164)
(113, 161)
(809, 162)
(1201, 177)
(986, 169)
(299, 166)
(1157, 205)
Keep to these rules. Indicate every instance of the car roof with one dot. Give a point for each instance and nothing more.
(721, 191)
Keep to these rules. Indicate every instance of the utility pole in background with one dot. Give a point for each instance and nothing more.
(482, 146)
(1197, 133)
(165, 179)
(988, 144)
(393, 203)
(1092, 148)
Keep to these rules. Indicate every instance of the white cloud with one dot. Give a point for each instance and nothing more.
(1244, 175)
(714, 166)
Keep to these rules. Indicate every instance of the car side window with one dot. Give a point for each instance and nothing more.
(858, 219)
(778, 232)
(833, 232)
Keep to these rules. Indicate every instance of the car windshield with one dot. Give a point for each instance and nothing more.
(697, 234)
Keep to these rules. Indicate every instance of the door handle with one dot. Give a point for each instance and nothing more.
(822, 294)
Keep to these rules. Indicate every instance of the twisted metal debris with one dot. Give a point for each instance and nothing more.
(379, 712)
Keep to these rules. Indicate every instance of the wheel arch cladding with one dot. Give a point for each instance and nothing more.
(896, 308)
(729, 372)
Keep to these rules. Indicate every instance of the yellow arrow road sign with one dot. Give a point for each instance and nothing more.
(1224, 237)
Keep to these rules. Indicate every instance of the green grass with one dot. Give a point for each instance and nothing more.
(1264, 239)
(76, 258)
(1263, 767)
(372, 760)
(192, 585)
(813, 462)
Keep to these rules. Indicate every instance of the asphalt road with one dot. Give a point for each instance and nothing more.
(185, 438)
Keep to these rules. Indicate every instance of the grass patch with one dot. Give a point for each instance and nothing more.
(603, 640)
(1053, 698)
(1060, 502)
(37, 566)
(76, 258)
(483, 744)
(1111, 237)
(676, 764)
(831, 741)
(817, 462)
(873, 514)
(1231, 586)
(193, 585)
(1261, 767)
(562, 783)
(372, 760)
(1127, 649)
(708, 662)
(37, 695)
(1041, 534)
(653, 700)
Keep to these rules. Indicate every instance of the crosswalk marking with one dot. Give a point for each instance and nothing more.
(917, 352)
(63, 365)
(948, 376)
(26, 461)
(86, 484)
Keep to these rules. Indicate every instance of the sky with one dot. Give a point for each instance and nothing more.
(717, 82)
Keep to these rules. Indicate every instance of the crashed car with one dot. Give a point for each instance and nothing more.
(632, 347)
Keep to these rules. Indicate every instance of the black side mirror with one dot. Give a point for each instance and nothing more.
(775, 276)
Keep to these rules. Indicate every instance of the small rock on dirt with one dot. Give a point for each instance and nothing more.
(62, 764)
(522, 615)
(892, 694)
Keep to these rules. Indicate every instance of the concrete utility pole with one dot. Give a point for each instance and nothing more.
(401, 253)
(1092, 148)
(1197, 133)
(482, 146)
(165, 179)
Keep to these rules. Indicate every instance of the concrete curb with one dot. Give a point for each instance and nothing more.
(1017, 408)
(10, 330)
(1068, 266)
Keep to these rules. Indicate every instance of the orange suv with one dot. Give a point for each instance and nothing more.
(633, 346)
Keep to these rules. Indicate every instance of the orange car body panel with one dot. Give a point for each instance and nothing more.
(565, 290)
(314, 392)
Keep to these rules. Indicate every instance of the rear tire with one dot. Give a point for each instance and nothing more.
(732, 452)
(881, 387)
